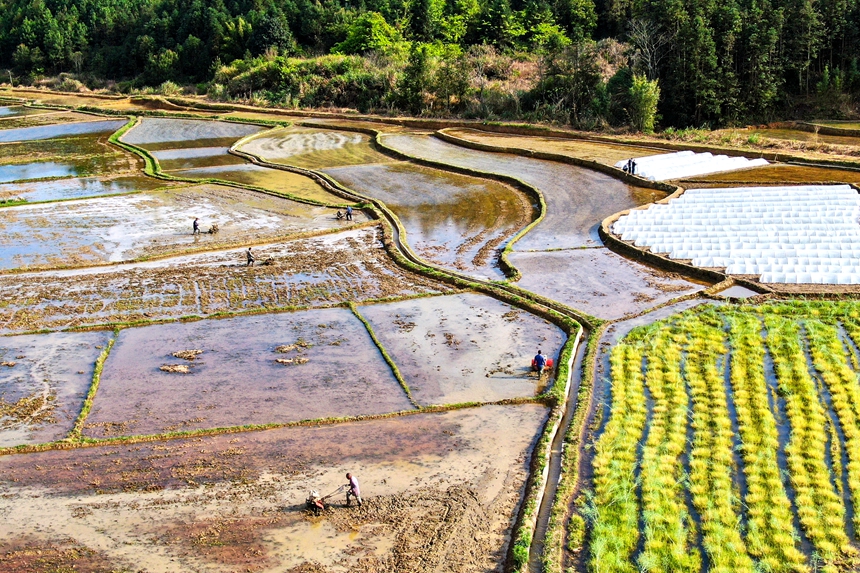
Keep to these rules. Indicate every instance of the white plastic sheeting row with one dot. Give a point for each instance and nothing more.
(687, 164)
(802, 234)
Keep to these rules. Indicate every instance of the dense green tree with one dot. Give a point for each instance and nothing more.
(369, 32)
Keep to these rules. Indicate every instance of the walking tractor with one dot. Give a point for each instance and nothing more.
(317, 504)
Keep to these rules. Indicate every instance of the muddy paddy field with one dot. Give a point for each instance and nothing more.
(166, 406)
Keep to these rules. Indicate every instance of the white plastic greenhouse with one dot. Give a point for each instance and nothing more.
(803, 234)
(687, 164)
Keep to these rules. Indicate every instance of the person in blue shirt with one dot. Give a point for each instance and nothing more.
(539, 362)
(349, 213)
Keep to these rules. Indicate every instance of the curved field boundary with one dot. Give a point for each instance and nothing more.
(557, 396)
(812, 127)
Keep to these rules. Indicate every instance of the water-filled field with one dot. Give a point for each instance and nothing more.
(168, 400)
(245, 370)
(154, 224)
(465, 348)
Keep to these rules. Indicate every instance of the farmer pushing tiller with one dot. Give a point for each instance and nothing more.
(317, 504)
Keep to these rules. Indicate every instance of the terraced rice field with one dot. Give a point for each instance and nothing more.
(166, 406)
(743, 458)
(134, 227)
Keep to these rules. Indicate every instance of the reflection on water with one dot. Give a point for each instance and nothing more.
(454, 220)
(36, 171)
(77, 188)
(59, 130)
(577, 199)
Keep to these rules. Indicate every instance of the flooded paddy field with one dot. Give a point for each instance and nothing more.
(439, 494)
(51, 131)
(348, 266)
(577, 199)
(157, 131)
(464, 348)
(605, 153)
(10, 111)
(89, 151)
(43, 382)
(272, 179)
(775, 175)
(79, 188)
(452, 220)
(775, 435)
(251, 370)
(598, 281)
(101, 230)
(314, 148)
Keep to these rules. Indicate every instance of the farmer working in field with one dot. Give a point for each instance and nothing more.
(352, 490)
(196, 226)
(540, 362)
(250, 256)
(349, 213)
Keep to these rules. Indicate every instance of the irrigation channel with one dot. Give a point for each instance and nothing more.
(557, 256)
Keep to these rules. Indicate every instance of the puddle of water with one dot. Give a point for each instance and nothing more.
(77, 188)
(121, 228)
(577, 199)
(60, 130)
(453, 220)
(348, 266)
(463, 348)
(52, 372)
(605, 153)
(237, 381)
(163, 130)
(781, 174)
(598, 281)
(315, 149)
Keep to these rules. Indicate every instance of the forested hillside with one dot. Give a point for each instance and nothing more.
(590, 63)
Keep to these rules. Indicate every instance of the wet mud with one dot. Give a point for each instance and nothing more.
(464, 348)
(452, 220)
(129, 227)
(43, 382)
(161, 130)
(439, 493)
(598, 281)
(28, 554)
(330, 369)
(315, 149)
(309, 272)
(577, 199)
(605, 153)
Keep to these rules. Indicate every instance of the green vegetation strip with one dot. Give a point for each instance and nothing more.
(75, 433)
(388, 359)
(697, 364)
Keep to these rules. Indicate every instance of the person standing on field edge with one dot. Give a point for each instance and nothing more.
(352, 490)
(196, 226)
(250, 256)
